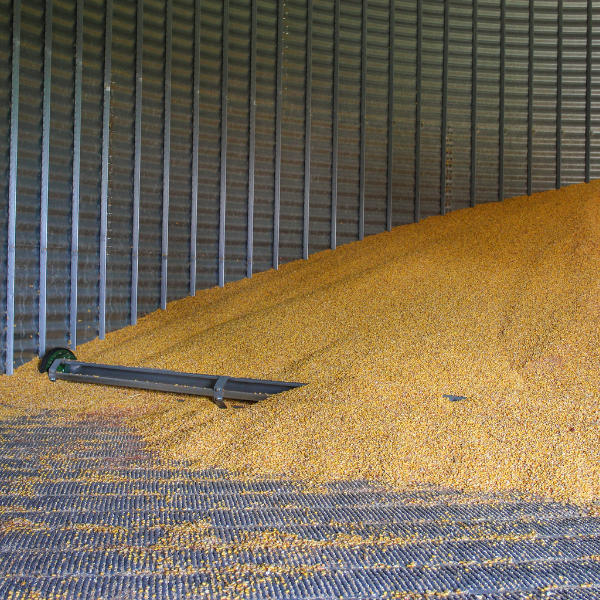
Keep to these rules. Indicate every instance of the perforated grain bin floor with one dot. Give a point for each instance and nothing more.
(87, 512)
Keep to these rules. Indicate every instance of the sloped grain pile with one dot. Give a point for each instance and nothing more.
(500, 304)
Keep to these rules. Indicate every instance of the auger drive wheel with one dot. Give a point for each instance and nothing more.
(51, 355)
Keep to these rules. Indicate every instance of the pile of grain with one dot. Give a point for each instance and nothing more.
(500, 304)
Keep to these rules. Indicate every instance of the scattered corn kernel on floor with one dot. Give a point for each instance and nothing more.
(500, 304)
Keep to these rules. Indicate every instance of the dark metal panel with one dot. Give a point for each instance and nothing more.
(335, 122)
(94, 12)
(574, 91)
(502, 100)
(390, 131)
(61, 305)
(209, 150)
(516, 94)
(12, 184)
(349, 132)
(152, 156)
(404, 112)
(252, 139)
(122, 181)
(321, 138)
(293, 131)
(76, 176)
(377, 81)
(431, 108)
(5, 104)
(105, 155)
(444, 118)
(488, 101)
(588, 91)
(559, 90)
(27, 58)
(362, 174)
(195, 143)
(545, 84)
(474, 25)
(530, 63)
(595, 94)
(182, 127)
(166, 179)
(307, 128)
(278, 99)
(419, 109)
(264, 173)
(223, 156)
(44, 177)
(236, 241)
(460, 81)
(137, 158)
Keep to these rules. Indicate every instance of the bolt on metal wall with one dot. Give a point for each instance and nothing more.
(153, 148)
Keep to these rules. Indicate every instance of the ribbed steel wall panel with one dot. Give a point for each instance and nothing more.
(209, 146)
(595, 93)
(351, 125)
(91, 169)
(517, 53)
(459, 105)
(292, 156)
(5, 91)
(349, 121)
(120, 199)
(404, 111)
(377, 113)
(264, 173)
(488, 93)
(28, 179)
(181, 148)
(151, 180)
(544, 100)
(322, 121)
(574, 89)
(236, 219)
(431, 107)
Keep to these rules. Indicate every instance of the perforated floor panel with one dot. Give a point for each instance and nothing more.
(86, 512)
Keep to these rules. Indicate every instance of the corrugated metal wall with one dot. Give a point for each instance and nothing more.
(152, 148)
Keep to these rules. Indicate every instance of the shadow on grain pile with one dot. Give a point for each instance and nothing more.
(499, 303)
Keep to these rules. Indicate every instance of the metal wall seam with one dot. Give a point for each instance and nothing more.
(251, 140)
(12, 186)
(195, 152)
(137, 160)
(530, 100)
(76, 177)
(419, 88)
(44, 178)
(223, 167)
(335, 103)
(390, 133)
(166, 156)
(363, 123)
(278, 117)
(502, 100)
(307, 128)
(559, 93)
(444, 123)
(474, 108)
(104, 181)
(588, 93)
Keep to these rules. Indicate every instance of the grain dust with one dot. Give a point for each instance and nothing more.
(499, 304)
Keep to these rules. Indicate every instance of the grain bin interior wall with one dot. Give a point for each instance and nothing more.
(153, 148)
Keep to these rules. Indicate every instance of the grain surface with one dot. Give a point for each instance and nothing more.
(499, 304)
